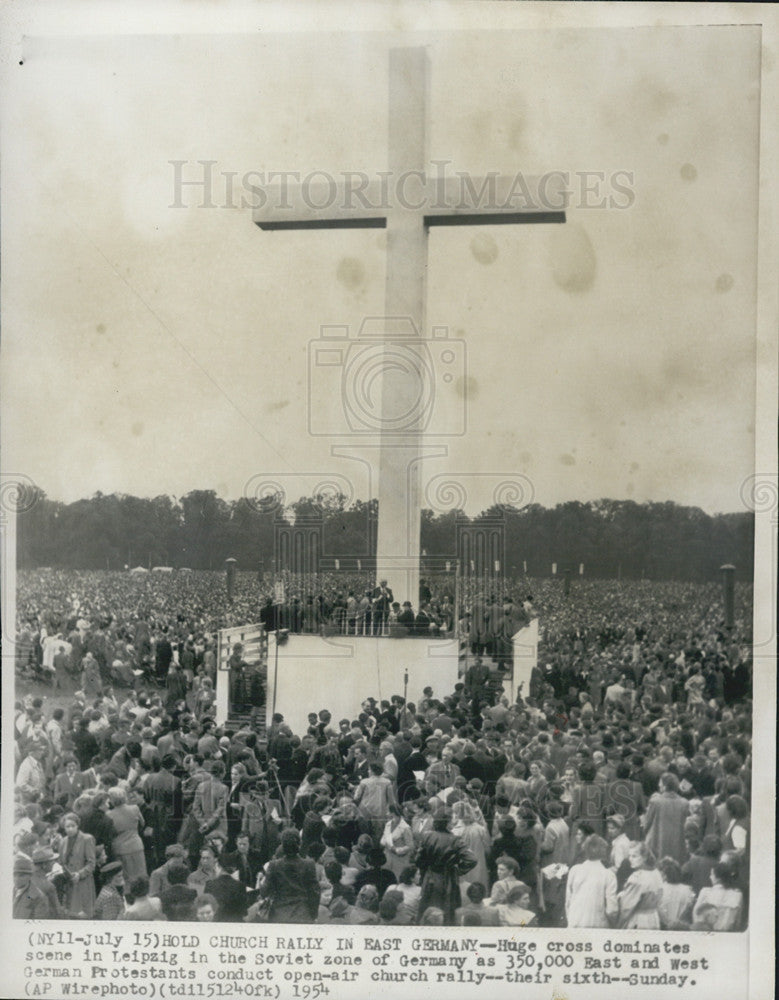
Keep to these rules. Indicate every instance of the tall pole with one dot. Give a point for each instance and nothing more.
(230, 565)
(457, 615)
(275, 661)
(729, 593)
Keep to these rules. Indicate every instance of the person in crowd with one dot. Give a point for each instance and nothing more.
(77, 859)
(696, 871)
(44, 877)
(376, 873)
(163, 806)
(206, 909)
(719, 906)
(640, 897)
(374, 795)
(291, 884)
(139, 904)
(516, 912)
(619, 843)
(127, 823)
(206, 869)
(475, 911)
(442, 859)
(664, 820)
(227, 890)
(366, 907)
(409, 886)
(109, 904)
(591, 891)
(158, 880)
(29, 903)
(507, 871)
(676, 898)
(178, 900)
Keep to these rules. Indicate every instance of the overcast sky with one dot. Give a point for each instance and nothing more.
(150, 349)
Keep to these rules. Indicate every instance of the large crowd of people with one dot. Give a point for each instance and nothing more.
(614, 792)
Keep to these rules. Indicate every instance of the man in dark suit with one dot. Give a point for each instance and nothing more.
(247, 861)
(42, 858)
(229, 893)
(422, 621)
(163, 812)
(381, 599)
(163, 654)
(406, 617)
(178, 900)
(29, 902)
(360, 766)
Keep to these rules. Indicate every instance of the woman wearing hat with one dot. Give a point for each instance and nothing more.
(77, 858)
(109, 904)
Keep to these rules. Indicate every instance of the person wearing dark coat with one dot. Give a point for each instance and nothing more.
(163, 807)
(163, 656)
(588, 800)
(248, 863)
(291, 884)
(442, 860)
(176, 685)
(85, 746)
(406, 617)
(470, 766)
(523, 849)
(93, 820)
(178, 900)
(415, 761)
(229, 893)
(29, 903)
(42, 858)
(77, 860)
(375, 874)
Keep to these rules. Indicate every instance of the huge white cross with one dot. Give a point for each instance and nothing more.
(405, 201)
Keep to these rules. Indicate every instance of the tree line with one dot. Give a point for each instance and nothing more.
(611, 538)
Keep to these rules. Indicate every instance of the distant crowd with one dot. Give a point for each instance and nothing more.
(615, 791)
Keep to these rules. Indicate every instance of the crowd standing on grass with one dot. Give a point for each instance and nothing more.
(614, 792)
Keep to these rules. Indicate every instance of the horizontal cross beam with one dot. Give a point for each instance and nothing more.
(434, 201)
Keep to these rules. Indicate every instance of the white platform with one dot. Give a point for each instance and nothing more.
(340, 672)
(525, 644)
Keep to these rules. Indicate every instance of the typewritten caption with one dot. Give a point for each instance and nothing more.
(66, 963)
